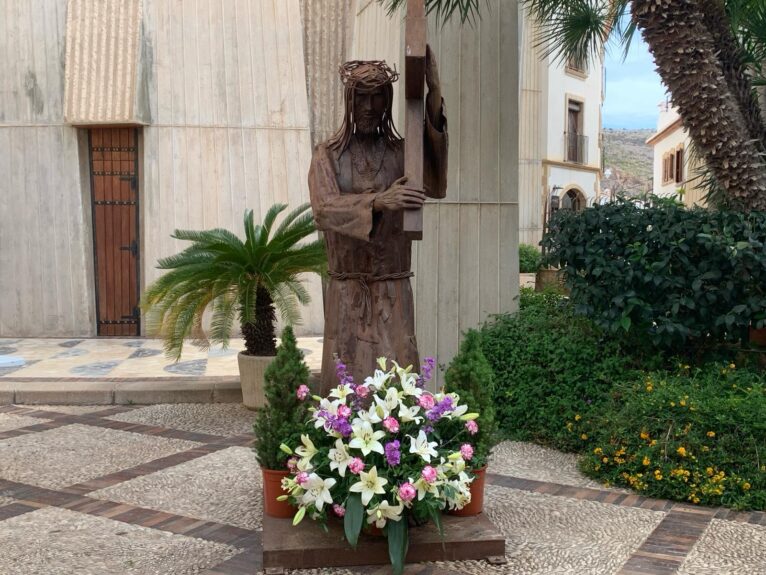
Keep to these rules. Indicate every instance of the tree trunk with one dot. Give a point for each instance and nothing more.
(260, 335)
(687, 58)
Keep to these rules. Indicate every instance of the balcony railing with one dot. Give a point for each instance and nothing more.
(576, 148)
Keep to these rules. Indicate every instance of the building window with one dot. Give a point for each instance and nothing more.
(576, 65)
(576, 143)
(679, 171)
(573, 200)
(668, 168)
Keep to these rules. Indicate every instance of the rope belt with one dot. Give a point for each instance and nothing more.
(364, 280)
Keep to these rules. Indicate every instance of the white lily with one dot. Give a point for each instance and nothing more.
(366, 439)
(421, 446)
(378, 380)
(424, 487)
(339, 458)
(408, 414)
(391, 401)
(409, 383)
(461, 497)
(306, 451)
(317, 491)
(325, 405)
(365, 416)
(341, 392)
(369, 485)
(384, 512)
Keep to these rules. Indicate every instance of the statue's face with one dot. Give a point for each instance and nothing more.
(368, 111)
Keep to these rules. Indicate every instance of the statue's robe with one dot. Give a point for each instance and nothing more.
(369, 307)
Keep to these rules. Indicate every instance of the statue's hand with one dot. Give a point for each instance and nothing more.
(399, 197)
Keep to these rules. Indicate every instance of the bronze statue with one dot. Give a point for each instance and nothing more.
(358, 194)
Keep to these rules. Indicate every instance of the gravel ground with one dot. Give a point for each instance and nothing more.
(9, 421)
(74, 453)
(215, 419)
(223, 487)
(529, 461)
(728, 548)
(55, 541)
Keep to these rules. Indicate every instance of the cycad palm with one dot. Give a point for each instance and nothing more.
(238, 280)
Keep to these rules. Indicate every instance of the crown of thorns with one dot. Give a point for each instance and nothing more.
(367, 75)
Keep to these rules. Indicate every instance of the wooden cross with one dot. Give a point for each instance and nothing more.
(414, 79)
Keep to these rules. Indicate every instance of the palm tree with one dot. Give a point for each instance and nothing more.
(709, 53)
(245, 281)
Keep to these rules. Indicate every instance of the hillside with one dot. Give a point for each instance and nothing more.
(627, 161)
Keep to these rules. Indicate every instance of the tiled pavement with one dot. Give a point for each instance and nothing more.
(123, 371)
(175, 489)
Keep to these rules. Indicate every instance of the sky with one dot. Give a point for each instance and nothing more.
(633, 88)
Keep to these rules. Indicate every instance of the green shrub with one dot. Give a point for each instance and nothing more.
(665, 273)
(284, 416)
(550, 366)
(529, 259)
(698, 435)
(471, 377)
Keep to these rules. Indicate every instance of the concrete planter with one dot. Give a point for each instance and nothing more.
(251, 368)
(547, 277)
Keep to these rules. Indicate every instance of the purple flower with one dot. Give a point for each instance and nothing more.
(426, 371)
(440, 409)
(393, 455)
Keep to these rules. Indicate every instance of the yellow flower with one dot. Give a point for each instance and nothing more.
(584, 436)
(644, 435)
(746, 486)
(686, 367)
(652, 443)
(646, 461)
(569, 425)
(672, 404)
(681, 451)
(598, 451)
(711, 433)
(709, 471)
(605, 459)
(649, 387)
(732, 366)
(578, 417)
(682, 403)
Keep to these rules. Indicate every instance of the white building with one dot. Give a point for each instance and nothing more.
(675, 170)
(560, 134)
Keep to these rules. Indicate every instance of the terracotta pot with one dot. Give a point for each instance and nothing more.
(272, 488)
(251, 368)
(758, 336)
(476, 505)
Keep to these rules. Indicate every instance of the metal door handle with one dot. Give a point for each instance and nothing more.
(132, 248)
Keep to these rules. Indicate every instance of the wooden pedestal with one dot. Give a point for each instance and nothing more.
(307, 546)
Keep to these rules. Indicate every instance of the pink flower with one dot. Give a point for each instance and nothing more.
(472, 427)
(362, 391)
(344, 411)
(466, 451)
(303, 392)
(302, 478)
(356, 465)
(292, 464)
(391, 424)
(429, 474)
(407, 491)
(427, 401)
(339, 510)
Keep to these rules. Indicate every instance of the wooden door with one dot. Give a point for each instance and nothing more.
(114, 192)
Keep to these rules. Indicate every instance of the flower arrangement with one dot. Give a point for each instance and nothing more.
(383, 453)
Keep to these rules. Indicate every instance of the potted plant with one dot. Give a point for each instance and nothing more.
(377, 453)
(245, 281)
(286, 386)
(471, 377)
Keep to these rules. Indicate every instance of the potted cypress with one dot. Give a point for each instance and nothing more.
(471, 377)
(238, 281)
(281, 421)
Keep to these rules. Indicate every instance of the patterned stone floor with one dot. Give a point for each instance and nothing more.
(175, 489)
(76, 359)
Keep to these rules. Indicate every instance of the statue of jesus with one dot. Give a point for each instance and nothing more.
(358, 194)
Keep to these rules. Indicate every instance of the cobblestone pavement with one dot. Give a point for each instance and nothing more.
(175, 489)
(97, 358)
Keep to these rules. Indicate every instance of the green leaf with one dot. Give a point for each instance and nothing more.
(398, 541)
(436, 516)
(625, 322)
(352, 522)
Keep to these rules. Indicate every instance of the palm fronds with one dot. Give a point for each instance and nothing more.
(224, 274)
(466, 10)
